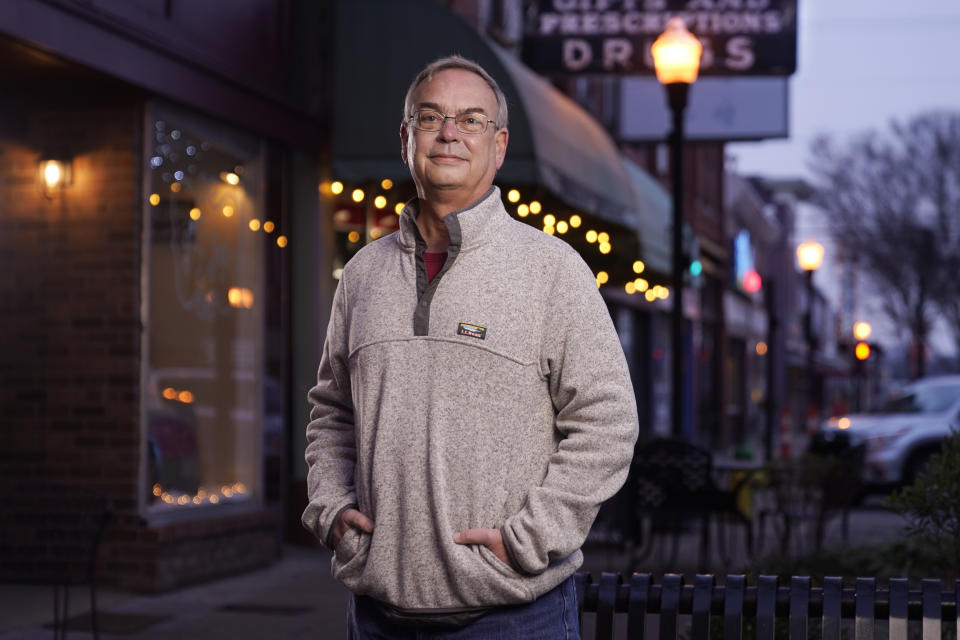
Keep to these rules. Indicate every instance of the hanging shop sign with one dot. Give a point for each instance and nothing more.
(739, 37)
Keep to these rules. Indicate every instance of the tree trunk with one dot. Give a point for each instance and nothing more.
(957, 340)
(920, 320)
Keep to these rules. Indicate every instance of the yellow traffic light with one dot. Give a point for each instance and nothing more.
(862, 351)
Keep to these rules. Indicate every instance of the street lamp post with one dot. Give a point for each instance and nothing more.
(861, 333)
(773, 360)
(810, 257)
(676, 57)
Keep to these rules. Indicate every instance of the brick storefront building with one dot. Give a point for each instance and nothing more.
(146, 305)
(164, 305)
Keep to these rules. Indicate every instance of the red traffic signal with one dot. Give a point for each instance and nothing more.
(752, 281)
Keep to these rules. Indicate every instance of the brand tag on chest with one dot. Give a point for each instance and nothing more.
(472, 330)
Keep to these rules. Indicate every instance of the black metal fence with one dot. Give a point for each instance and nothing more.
(801, 607)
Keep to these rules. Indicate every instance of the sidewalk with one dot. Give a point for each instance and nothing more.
(296, 598)
(293, 598)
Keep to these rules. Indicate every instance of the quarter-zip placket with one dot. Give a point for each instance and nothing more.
(426, 288)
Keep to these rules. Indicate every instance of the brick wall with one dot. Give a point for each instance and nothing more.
(69, 310)
(70, 364)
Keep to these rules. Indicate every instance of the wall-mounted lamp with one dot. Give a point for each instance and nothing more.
(55, 175)
(230, 177)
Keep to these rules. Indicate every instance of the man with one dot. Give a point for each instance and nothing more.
(473, 406)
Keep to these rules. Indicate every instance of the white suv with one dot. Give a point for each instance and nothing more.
(899, 436)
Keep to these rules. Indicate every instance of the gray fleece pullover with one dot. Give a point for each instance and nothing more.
(496, 396)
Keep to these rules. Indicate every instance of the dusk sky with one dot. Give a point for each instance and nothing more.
(861, 63)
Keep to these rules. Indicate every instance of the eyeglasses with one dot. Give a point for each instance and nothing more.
(431, 120)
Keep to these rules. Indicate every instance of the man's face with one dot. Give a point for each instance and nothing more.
(450, 165)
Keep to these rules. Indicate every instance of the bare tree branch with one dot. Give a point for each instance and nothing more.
(893, 202)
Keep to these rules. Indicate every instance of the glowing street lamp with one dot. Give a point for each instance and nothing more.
(810, 257)
(676, 58)
(862, 330)
(676, 54)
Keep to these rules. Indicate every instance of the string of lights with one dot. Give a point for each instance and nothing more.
(549, 223)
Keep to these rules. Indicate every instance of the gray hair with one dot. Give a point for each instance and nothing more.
(458, 62)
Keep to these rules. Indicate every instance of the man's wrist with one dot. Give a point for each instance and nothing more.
(333, 526)
(511, 554)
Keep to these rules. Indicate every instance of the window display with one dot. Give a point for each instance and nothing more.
(204, 255)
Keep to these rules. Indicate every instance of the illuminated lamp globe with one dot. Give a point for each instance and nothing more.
(810, 255)
(52, 173)
(862, 330)
(676, 54)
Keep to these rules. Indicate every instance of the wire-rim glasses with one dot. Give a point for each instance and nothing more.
(433, 120)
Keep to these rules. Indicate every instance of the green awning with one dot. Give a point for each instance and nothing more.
(655, 216)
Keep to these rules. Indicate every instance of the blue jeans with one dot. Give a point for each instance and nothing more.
(552, 616)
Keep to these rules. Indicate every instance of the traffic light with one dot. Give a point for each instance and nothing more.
(861, 351)
(752, 282)
(691, 258)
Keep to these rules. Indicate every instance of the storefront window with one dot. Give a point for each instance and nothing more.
(204, 255)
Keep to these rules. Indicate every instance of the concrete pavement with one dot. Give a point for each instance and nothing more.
(293, 598)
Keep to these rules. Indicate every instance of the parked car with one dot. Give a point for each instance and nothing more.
(901, 434)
